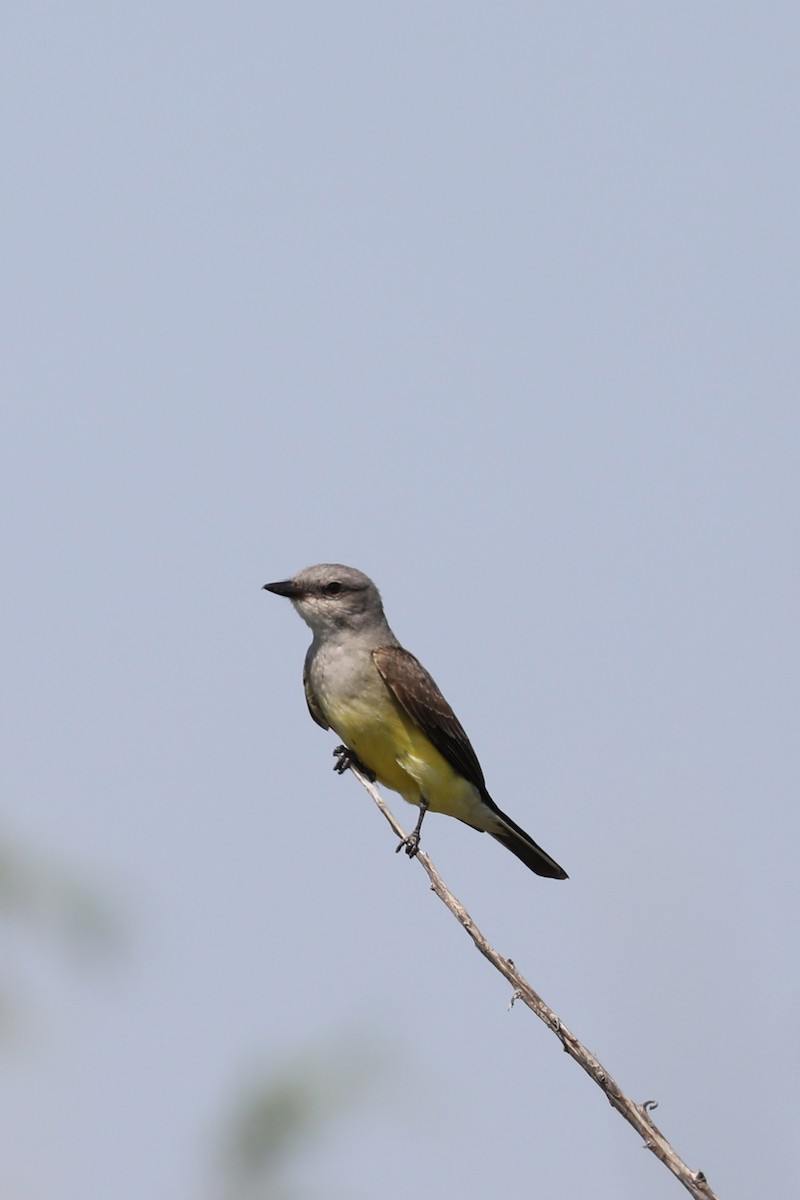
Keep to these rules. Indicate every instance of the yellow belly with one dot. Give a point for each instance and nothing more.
(403, 759)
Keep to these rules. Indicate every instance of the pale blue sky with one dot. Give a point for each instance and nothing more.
(500, 305)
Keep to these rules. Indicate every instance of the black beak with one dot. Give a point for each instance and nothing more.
(286, 587)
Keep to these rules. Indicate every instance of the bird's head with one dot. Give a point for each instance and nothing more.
(331, 597)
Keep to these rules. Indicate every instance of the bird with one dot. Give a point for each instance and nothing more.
(393, 719)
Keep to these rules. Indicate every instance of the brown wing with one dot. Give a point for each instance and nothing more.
(311, 701)
(427, 707)
(420, 697)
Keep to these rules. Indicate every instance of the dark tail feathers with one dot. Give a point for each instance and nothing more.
(520, 843)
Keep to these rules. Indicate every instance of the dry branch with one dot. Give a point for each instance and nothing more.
(637, 1115)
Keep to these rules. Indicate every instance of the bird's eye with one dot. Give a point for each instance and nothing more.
(333, 589)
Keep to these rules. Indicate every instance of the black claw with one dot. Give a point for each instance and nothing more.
(410, 844)
(345, 759)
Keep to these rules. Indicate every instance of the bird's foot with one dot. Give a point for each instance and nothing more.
(410, 844)
(346, 758)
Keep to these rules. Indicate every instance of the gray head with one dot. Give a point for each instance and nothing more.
(330, 597)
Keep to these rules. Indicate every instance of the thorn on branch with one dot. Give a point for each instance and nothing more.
(557, 1028)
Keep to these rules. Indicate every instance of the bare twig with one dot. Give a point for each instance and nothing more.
(637, 1115)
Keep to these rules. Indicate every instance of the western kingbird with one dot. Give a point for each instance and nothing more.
(360, 682)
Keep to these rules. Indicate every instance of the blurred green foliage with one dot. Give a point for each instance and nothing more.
(44, 900)
(285, 1114)
(278, 1118)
